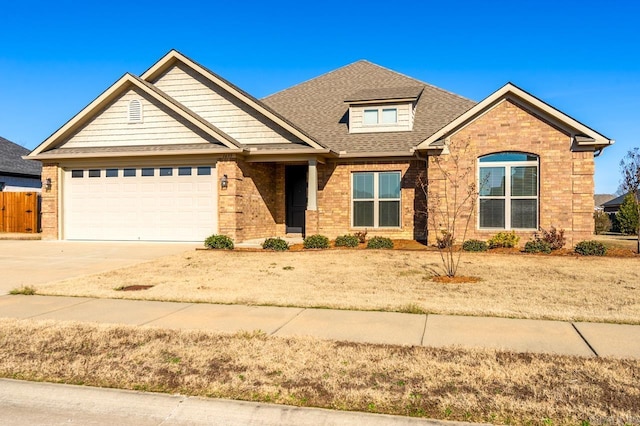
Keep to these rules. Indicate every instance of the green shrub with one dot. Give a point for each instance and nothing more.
(554, 237)
(216, 241)
(362, 236)
(474, 245)
(316, 242)
(537, 246)
(590, 248)
(276, 244)
(380, 243)
(347, 241)
(504, 239)
(445, 241)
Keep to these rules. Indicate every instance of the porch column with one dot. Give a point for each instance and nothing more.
(312, 191)
(311, 214)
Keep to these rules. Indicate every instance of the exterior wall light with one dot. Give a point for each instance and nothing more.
(47, 184)
(224, 182)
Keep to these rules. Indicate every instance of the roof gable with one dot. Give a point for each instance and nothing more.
(11, 161)
(125, 83)
(318, 106)
(174, 57)
(581, 134)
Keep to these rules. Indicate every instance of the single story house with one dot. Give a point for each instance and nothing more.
(612, 206)
(180, 153)
(16, 173)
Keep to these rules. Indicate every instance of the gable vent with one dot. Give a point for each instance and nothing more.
(135, 111)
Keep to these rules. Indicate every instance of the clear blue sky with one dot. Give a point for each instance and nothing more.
(582, 57)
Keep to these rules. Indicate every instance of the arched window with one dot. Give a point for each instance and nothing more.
(135, 111)
(508, 187)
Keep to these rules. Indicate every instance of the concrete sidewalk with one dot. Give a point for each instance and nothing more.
(517, 335)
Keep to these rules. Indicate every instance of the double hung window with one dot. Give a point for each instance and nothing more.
(375, 199)
(508, 184)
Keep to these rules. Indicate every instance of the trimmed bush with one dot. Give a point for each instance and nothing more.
(555, 238)
(276, 244)
(380, 243)
(347, 241)
(504, 239)
(537, 246)
(475, 245)
(316, 242)
(591, 248)
(216, 241)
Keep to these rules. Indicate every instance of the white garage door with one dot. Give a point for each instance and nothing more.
(140, 203)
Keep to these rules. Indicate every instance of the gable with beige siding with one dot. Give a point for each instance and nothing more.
(220, 108)
(159, 126)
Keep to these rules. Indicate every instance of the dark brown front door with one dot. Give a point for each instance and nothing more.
(295, 179)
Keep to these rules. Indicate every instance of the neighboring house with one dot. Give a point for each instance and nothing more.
(612, 206)
(17, 174)
(179, 153)
(600, 199)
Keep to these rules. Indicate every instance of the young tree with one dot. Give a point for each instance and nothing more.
(630, 168)
(628, 215)
(451, 200)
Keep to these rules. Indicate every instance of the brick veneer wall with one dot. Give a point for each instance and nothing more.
(49, 206)
(252, 206)
(566, 176)
(334, 198)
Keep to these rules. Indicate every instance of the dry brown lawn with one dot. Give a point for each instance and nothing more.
(453, 384)
(519, 286)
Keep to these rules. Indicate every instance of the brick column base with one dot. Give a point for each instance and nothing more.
(310, 222)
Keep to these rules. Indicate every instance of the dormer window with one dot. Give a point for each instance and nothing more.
(135, 111)
(383, 109)
(375, 116)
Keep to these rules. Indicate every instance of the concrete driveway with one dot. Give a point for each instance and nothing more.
(35, 262)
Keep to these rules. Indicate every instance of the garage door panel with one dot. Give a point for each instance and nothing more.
(149, 208)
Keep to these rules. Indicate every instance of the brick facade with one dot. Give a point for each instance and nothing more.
(565, 176)
(49, 206)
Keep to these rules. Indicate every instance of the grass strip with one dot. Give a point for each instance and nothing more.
(452, 384)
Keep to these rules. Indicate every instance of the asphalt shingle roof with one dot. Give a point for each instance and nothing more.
(11, 161)
(318, 107)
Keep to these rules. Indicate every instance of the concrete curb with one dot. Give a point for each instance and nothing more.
(33, 403)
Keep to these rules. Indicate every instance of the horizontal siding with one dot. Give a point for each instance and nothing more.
(215, 105)
(405, 120)
(160, 126)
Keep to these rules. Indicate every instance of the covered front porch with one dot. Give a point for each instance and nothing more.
(261, 199)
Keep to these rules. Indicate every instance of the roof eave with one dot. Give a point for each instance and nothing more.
(124, 153)
(378, 154)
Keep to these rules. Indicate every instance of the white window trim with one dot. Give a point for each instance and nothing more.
(130, 117)
(380, 110)
(507, 193)
(376, 200)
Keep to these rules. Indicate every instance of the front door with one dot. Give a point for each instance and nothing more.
(295, 179)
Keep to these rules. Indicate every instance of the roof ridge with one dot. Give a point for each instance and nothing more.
(423, 83)
(316, 77)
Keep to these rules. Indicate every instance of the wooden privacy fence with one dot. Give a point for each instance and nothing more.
(19, 211)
